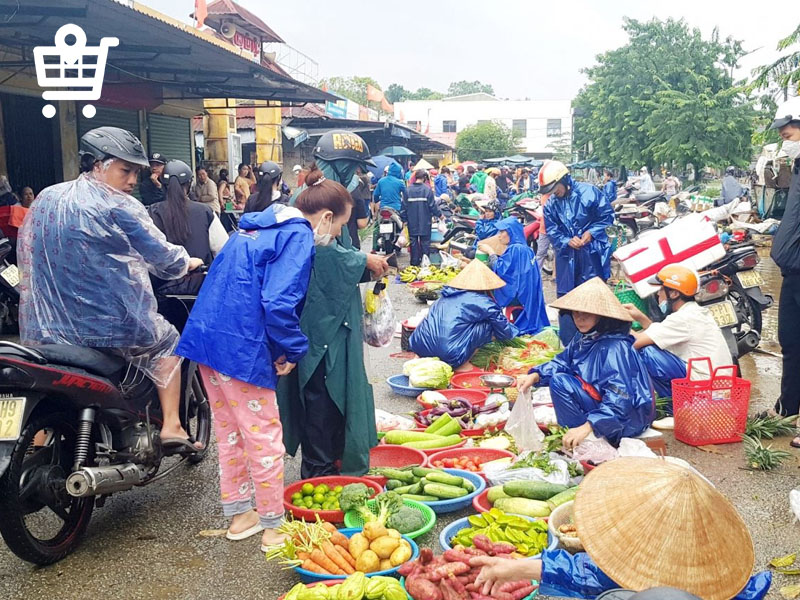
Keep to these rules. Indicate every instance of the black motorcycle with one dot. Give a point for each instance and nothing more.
(77, 425)
(9, 289)
(390, 226)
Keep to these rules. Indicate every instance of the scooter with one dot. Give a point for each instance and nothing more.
(390, 227)
(9, 290)
(77, 425)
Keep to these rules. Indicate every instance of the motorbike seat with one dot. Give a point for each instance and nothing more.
(88, 359)
(649, 196)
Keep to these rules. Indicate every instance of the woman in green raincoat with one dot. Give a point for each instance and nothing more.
(326, 404)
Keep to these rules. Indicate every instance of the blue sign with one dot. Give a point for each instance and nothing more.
(337, 110)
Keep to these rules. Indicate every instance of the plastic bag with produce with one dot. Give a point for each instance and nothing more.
(522, 424)
(379, 318)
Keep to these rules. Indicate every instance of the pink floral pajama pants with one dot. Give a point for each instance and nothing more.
(250, 446)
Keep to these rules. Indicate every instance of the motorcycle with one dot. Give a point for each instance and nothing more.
(77, 425)
(9, 290)
(390, 227)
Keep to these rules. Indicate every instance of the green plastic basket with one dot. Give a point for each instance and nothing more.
(353, 519)
(627, 295)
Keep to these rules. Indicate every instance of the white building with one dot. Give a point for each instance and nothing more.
(540, 123)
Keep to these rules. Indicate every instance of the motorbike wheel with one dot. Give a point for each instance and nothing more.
(198, 421)
(41, 522)
(747, 307)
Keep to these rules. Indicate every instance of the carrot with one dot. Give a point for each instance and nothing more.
(330, 551)
(329, 527)
(346, 555)
(310, 565)
(318, 556)
(341, 540)
(304, 556)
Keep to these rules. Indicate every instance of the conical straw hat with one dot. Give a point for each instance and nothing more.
(647, 523)
(593, 297)
(476, 277)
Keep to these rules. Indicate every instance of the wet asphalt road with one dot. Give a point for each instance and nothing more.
(146, 543)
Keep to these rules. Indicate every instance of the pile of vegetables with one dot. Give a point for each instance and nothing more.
(426, 485)
(518, 355)
(498, 440)
(467, 463)
(452, 577)
(430, 373)
(490, 414)
(530, 498)
(377, 548)
(355, 587)
(387, 509)
(430, 273)
(421, 440)
(320, 497)
(429, 291)
(496, 531)
(317, 547)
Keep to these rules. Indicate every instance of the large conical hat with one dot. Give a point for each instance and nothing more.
(646, 523)
(476, 277)
(593, 297)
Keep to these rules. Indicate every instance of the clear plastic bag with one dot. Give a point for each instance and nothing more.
(379, 318)
(501, 474)
(448, 260)
(521, 424)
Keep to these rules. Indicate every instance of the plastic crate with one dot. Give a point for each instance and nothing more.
(353, 519)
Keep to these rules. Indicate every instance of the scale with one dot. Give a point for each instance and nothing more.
(497, 382)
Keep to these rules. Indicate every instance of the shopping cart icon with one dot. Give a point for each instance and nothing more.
(73, 66)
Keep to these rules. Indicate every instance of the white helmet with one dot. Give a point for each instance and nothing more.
(550, 174)
(297, 169)
(787, 112)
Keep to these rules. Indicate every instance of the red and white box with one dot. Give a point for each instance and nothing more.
(691, 241)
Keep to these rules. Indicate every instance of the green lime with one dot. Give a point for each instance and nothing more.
(297, 495)
(338, 489)
(327, 506)
(319, 498)
(307, 489)
(308, 501)
(316, 506)
(336, 505)
(298, 502)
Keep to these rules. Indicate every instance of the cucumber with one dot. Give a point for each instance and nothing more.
(423, 472)
(563, 497)
(438, 442)
(445, 478)
(444, 491)
(533, 490)
(392, 484)
(398, 437)
(406, 477)
(467, 485)
(419, 498)
(438, 423)
(404, 489)
(416, 488)
(494, 494)
(523, 506)
(453, 427)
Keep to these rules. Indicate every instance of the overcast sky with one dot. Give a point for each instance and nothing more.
(524, 48)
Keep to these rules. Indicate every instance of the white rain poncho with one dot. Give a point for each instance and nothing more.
(86, 252)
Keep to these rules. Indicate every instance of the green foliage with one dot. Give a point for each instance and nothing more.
(425, 94)
(667, 96)
(352, 88)
(486, 140)
(785, 71)
(462, 88)
(562, 149)
(396, 93)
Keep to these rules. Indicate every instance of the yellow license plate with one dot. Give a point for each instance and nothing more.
(11, 275)
(724, 313)
(750, 279)
(11, 411)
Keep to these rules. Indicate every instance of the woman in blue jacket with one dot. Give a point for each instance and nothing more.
(244, 331)
(599, 383)
(517, 267)
(464, 318)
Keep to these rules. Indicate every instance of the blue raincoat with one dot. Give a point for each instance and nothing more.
(485, 228)
(568, 576)
(459, 323)
(585, 209)
(610, 190)
(440, 184)
(248, 312)
(517, 267)
(391, 189)
(609, 363)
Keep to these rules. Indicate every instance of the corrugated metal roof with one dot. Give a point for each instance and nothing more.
(229, 8)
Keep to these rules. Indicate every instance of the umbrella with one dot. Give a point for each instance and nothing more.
(396, 151)
(381, 162)
(423, 164)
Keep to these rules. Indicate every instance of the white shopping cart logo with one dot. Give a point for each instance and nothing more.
(74, 66)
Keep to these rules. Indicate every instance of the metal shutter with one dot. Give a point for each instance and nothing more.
(113, 117)
(171, 136)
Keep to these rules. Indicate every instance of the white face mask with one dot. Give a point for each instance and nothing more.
(276, 194)
(323, 239)
(791, 148)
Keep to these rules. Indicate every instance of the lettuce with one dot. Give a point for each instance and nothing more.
(431, 374)
(410, 364)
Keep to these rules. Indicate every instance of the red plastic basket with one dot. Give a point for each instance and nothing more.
(710, 411)
(483, 454)
(475, 397)
(471, 380)
(332, 516)
(394, 456)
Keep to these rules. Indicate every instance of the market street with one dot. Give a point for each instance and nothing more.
(146, 543)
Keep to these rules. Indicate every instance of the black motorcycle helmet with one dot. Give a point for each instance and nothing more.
(112, 142)
(178, 169)
(343, 145)
(271, 170)
(658, 593)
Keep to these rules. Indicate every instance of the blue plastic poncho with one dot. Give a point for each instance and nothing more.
(568, 576)
(459, 323)
(610, 190)
(584, 209)
(517, 267)
(391, 189)
(485, 228)
(610, 364)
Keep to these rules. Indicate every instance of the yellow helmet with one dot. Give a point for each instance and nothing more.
(550, 174)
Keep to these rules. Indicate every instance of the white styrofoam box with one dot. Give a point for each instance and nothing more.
(691, 241)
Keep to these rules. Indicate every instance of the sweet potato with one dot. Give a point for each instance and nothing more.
(456, 556)
(522, 592)
(457, 585)
(482, 542)
(406, 569)
(440, 573)
(420, 588)
(448, 592)
(474, 552)
(425, 556)
(513, 586)
(503, 548)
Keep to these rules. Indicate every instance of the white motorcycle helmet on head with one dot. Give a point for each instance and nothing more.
(787, 122)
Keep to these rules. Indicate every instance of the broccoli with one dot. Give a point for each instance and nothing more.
(354, 496)
(406, 520)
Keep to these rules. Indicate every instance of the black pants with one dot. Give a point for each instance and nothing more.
(420, 246)
(322, 439)
(789, 338)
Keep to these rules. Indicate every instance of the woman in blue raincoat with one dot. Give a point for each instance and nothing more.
(599, 383)
(464, 318)
(517, 267)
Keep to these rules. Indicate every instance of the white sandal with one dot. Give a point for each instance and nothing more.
(243, 535)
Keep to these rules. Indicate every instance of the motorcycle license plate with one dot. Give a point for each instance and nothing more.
(11, 411)
(750, 279)
(724, 313)
(11, 275)
(386, 228)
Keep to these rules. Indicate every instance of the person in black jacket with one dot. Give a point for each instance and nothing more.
(269, 189)
(786, 254)
(151, 187)
(418, 208)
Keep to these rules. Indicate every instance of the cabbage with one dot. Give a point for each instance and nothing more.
(431, 398)
(431, 374)
(410, 364)
(549, 335)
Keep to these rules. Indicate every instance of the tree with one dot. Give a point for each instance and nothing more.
(425, 94)
(667, 96)
(562, 148)
(396, 93)
(785, 71)
(486, 140)
(352, 88)
(462, 88)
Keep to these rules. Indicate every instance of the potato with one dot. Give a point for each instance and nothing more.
(384, 546)
(400, 555)
(368, 562)
(373, 530)
(393, 533)
(358, 543)
(386, 564)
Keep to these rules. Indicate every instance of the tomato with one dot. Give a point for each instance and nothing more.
(438, 464)
(470, 466)
(449, 462)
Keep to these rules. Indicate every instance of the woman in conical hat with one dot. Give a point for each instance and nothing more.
(464, 318)
(599, 383)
